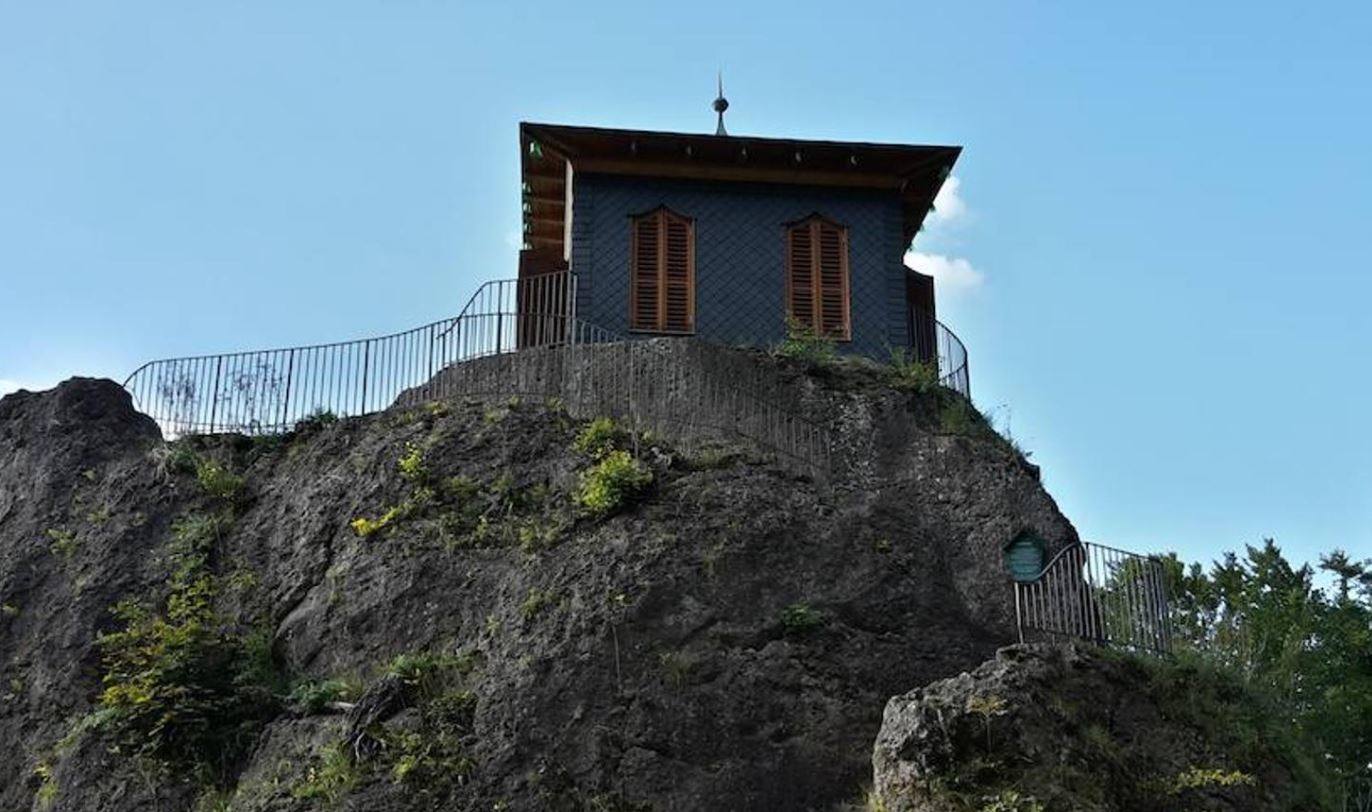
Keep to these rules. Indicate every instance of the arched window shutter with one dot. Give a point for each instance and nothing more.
(662, 294)
(801, 276)
(645, 276)
(817, 277)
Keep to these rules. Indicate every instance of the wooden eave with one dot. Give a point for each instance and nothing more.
(913, 173)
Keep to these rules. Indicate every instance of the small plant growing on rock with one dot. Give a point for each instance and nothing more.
(956, 417)
(331, 777)
(412, 466)
(599, 437)
(365, 527)
(611, 483)
(910, 374)
(62, 543)
(1010, 801)
(315, 420)
(803, 344)
(46, 795)
(218, 482)
(986, 706)
(800, 618)
(1193, 778)
(535, 602)
(314, 696)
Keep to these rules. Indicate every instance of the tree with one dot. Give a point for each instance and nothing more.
(1308, 650)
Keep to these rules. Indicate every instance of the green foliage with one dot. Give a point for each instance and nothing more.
(329, 778)
(611, 483)
(9, 610)
(1010, 801)
(957, 416)
(365, 527)
(1202, 778)
(987, 706)
(46, 794)
(61, 542)
(1305, 649)
(181, 459)
(803, 344)
(910, 374)
(182, 685)
(535, 602)
(312, 696)
(218, 482)
(425, 672)
(800, 618)
(315, 420)
(412, 466)
(600, 437)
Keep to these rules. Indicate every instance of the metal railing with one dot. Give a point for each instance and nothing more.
(1098, 593)
(934, 343)
(652, 384)
(269, 391)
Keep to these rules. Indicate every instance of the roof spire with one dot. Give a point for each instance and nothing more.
(721, 104)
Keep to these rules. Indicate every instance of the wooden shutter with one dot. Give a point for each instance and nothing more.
(801, 275)
(817, 277)
(678, 309)
(662, 293)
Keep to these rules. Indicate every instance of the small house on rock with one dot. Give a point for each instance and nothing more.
(732, 239)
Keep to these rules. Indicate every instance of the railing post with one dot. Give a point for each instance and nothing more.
(214, 393)
(286, 401)
(366, 361)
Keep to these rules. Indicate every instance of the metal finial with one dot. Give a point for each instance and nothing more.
(721, 104)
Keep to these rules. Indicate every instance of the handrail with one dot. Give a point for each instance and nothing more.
(1098, 593)
(268, 391)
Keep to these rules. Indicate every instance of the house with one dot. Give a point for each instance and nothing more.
(731, 238)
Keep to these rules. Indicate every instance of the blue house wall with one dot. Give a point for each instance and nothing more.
(740, 255)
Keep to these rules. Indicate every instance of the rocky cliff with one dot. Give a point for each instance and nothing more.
(483, 604)
(1074, 727)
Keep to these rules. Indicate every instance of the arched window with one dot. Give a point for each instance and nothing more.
(817, 295)
(662, 289)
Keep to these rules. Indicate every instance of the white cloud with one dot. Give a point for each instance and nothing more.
(7, 386)
(952, 275)
(949, 206)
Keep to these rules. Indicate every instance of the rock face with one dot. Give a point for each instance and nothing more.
(724, 641)
(1044, 728)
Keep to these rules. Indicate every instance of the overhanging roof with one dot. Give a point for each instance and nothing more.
(915, 173)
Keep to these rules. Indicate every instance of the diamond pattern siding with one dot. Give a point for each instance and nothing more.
(740, 253)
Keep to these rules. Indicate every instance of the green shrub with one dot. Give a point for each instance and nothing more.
(181, 459)
(957, 417)
(611, 483)
(910, 374)
(176, 688)
(330, 777)
(181, 685)
(799, 618)
(599, 437)
(313, 696)
(218, 482)
(535, 602)
(803, 344)
(62, 543)
(315, 420)
(46, 795)
(412, 466)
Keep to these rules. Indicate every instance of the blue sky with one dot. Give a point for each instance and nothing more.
(1157, 250)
